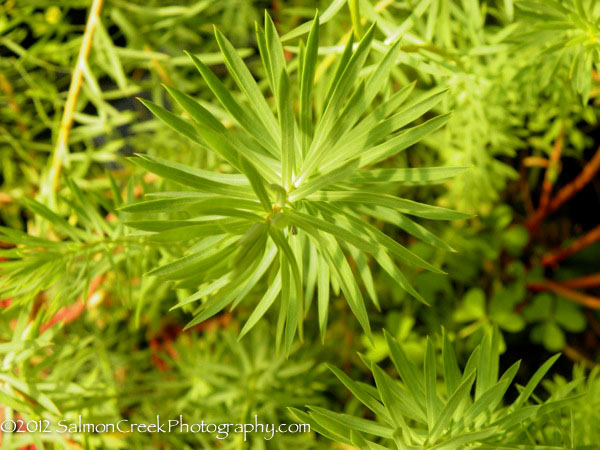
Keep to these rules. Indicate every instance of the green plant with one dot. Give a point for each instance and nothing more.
(297, 194)
(566, 34)
(213, 378)
(576, 426)
(81, 251)
(412, 413)
(276, 192)
(553, 315)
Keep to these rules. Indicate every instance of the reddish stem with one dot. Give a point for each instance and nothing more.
(588, 281)
(575, 296)
(550, 175)
(534, 222)
(568, 191)
(584, 177)
(585, 241)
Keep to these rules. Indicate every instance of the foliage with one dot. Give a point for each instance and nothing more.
(299, 199)
(206, 246)
(553, 314)
(213, 378)
(411, 414)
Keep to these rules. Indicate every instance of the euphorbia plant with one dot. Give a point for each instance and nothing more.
(411, 414)
(292, 208)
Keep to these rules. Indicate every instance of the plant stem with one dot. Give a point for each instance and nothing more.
(586, 175)
(551, 171)
(61, 150)
(534, 222)
(578, 297)
(588, 281)
(585, 241)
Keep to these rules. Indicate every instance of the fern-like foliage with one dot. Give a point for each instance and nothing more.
(411, 413)
(293, 208)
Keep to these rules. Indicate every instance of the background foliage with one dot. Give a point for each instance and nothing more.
(506, 89)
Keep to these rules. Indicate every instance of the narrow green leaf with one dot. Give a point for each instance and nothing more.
(460, 441)
(365, 274)
(175, 122)
(204, 291)
(261, 42)
(323, 295)
(409, 373)
(311, 270)
(200, 114)
(394, 217)
(381, 74)
(379, 113)
(383, 382)
(294, 312)
(343, 85)
(484, 402)
(341, 66)
(410, 177)
(402, 141)
(263, 305)
(190, 176)
(339, 219)
(356, 423)
(88, 209)
(349, 115)
(32, 392)
(240, 114)
(287, 124)
(386, 263)
(362, 395)
(353, 6)
(192, 264)
(339, 266)
(323, 181)
(460, 394)
(231, 152)
(257, 183)
(363, 143)
(431, 397)
(309, 66)
(314, 425)
(191, 230)
(534, 381)
(240, 285)
(163, 205)
(328, 14)
(245, 81)
(54, 219)
(452, 373)
(487, 369)
(275, 51)
(406, 206)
